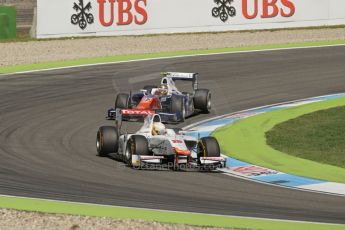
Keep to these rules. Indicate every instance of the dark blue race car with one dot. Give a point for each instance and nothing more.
(166, 100)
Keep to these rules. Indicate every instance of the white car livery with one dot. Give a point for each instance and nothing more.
(153, 144)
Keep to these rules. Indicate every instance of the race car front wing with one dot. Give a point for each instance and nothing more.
(193, 163)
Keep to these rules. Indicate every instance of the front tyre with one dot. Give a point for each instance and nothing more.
(136, 145)
(122, 101)
(208, 147)
(202, 100)
(177, 107)
(107, 140)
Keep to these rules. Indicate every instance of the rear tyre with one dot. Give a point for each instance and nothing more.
(177, 106)
(208, 147)
(122, 101)
(136, 145)
(107, 140)
(149, 88)
(202, 100)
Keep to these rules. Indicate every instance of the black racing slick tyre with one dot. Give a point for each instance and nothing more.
(208, 147)
(136, 145)
(122, 101)
(107, 140)
(177, 106)
(202, 100)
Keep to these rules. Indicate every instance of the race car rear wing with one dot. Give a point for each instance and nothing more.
(120, 114)
(131, 114)
(138, 115)
(176, 76)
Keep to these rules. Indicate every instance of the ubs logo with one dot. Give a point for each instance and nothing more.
(253, 9)
(82, 17)
(223, 10)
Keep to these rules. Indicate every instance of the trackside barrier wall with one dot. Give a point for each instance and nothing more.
(131, 17)
(7, 22)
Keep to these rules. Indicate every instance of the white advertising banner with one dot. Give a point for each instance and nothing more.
(62, 18)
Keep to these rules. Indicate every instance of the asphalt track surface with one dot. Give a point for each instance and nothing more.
(49, 120)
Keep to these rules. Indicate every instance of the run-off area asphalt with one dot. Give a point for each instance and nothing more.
(49, 120)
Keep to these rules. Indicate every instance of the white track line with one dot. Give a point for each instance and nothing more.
(169, 211)
(282, 186)
(172, 57)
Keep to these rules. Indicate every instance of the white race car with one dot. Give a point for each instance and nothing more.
(154, 144)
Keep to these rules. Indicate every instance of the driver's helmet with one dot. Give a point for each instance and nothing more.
(158, 128)
(162, 90)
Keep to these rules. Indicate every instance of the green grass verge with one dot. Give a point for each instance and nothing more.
(86, 61)
(317, 136)
(57, 207)
(246, 141)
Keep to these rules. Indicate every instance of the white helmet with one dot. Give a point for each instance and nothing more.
(158, 128)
